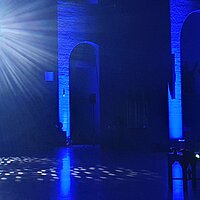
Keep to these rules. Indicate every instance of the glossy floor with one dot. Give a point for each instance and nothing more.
(89, 173)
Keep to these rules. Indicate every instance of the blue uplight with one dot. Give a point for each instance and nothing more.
(175, 105)
(68, 39)
(63, 65)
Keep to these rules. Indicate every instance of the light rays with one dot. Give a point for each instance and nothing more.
(28, 45)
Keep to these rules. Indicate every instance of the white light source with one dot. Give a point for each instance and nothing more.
(197, 156)
(26, 32)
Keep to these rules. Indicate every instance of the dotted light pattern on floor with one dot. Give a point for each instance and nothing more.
(103, 173)
(44, 169)
(26, 168)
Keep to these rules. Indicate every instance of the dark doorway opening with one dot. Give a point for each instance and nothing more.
(190, 61)
(84, 94)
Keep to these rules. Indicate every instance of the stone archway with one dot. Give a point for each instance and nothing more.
(190, 63)
(179, 11)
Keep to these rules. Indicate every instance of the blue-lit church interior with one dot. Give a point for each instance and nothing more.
(99, 99)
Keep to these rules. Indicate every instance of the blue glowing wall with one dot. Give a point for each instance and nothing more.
(132, 48)
(179, 10)
(75, 25)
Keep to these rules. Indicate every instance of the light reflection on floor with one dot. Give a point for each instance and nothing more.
(88, 173)
(23, 168)
(178, 192)
(44, 169)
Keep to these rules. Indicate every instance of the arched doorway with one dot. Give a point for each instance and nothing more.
(190, 60)
(84, 94)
